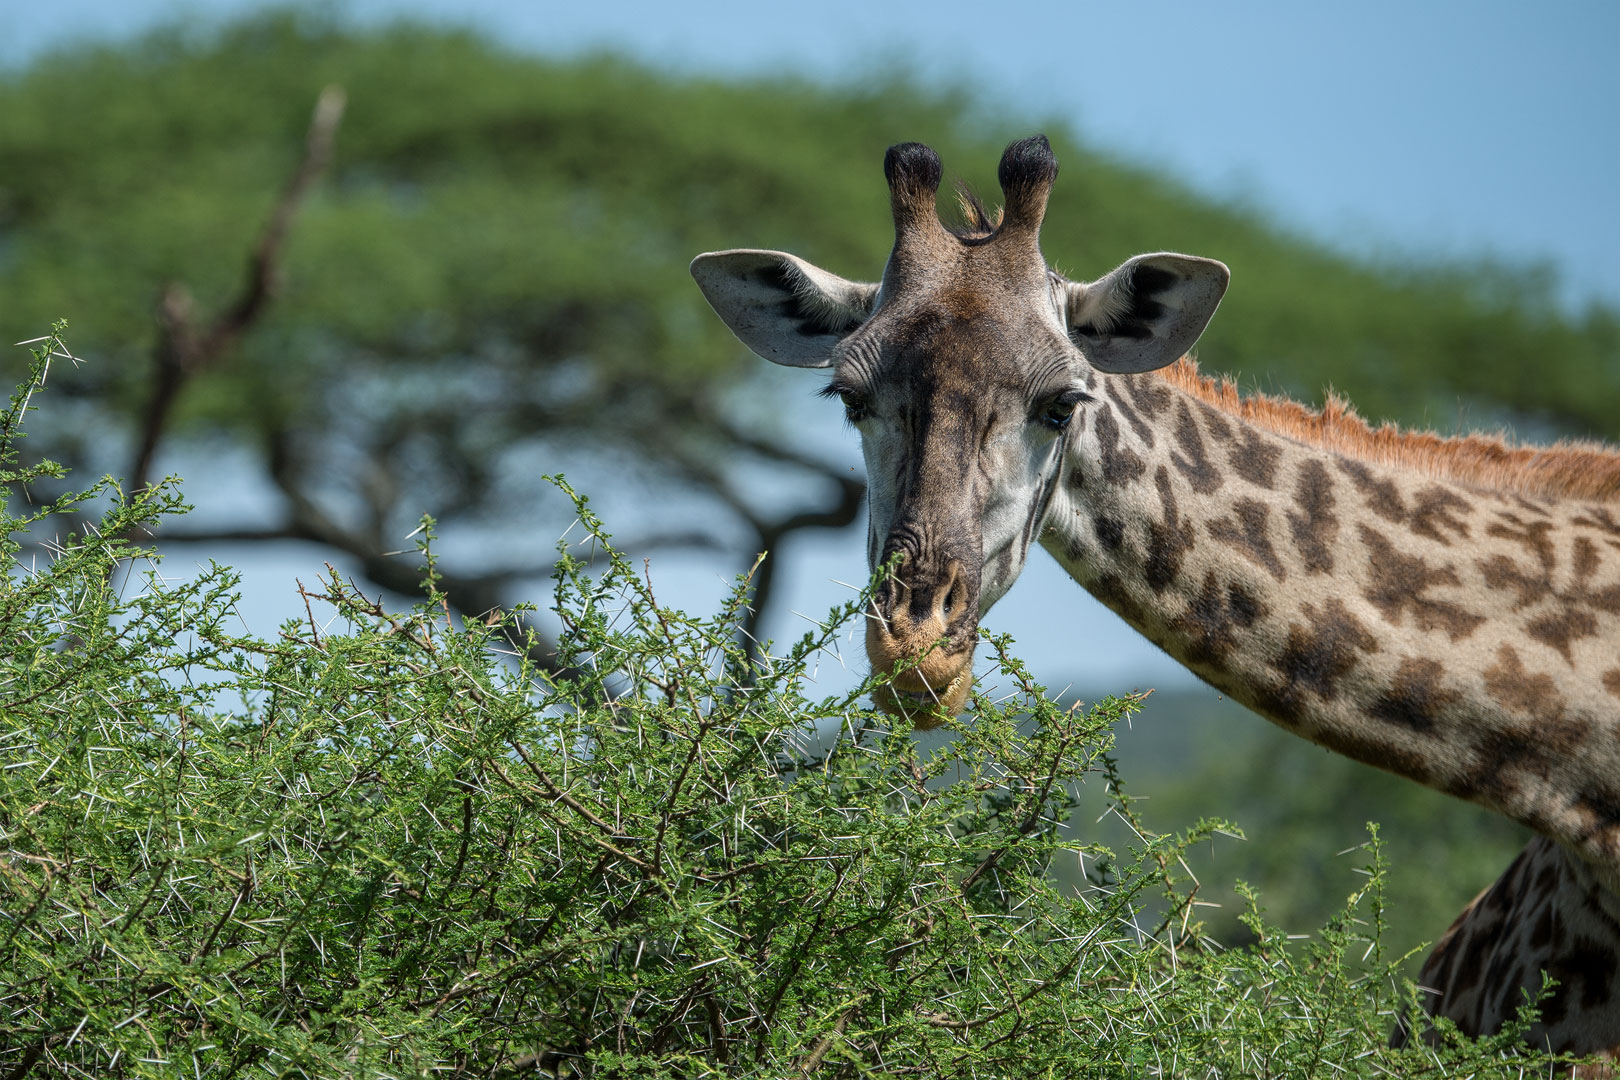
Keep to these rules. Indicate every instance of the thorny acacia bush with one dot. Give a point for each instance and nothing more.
(371, 846)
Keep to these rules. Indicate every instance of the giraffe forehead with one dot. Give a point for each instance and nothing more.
(966, 271)
(962, 335)
(956, 361)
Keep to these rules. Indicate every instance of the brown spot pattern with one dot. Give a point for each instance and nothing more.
(1120, 464)
(1600, 518)
(1383, 497)
(1414, 699)
(1604, 521)
(1152, 396)
(1219, 427)
(1570, 615)
(1397, 584)
(1246, 609)
(1534, 697)
(1319, 652)
(1559, 629)
(1110, 532)
(1433, 513)
(1315, 526)
(1611, 681)
(1212, 617)
(1143, 432)
(1601, 809)
(1502, 572)
(1537, 735)
(1247, 532)
(1168, 540)
(1193, 461)
(1254, 458)
(1582, 593)
(1527, 505)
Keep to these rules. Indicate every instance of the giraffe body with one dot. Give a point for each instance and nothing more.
(1546, 913)
(1445, 609)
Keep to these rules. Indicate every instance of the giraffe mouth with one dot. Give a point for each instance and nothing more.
(924, 705)
(932, 645)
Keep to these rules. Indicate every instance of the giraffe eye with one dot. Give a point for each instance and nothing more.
(854, 403)
(1057, 412)
(1057, 415)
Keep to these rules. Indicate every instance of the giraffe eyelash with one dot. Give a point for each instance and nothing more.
(854, 401)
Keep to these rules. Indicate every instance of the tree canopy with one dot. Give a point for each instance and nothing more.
(491, 272)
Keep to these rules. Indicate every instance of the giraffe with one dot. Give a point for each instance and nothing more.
(1447, 609)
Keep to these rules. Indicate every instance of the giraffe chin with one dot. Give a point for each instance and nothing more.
(926, 707)
(936, 679)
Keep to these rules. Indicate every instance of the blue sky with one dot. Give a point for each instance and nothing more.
(1458, 129)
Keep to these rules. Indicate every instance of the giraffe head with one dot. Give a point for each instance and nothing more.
(962, 369)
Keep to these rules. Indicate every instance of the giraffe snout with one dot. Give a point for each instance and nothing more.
(926, 617)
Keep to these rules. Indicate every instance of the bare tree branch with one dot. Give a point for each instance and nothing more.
(263, 266)
(769, 534)
(182, 350)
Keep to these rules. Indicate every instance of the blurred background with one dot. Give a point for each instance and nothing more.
(466, 269)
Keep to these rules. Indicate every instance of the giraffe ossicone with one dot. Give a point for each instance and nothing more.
(1447, 609)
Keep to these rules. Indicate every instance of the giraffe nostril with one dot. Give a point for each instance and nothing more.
(950, 598)
(956, 598)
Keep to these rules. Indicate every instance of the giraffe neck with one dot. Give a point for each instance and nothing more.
(1469, 640)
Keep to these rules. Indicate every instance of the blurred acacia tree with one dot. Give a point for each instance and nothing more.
(490, 276)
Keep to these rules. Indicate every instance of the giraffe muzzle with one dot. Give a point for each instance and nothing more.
(924, 620)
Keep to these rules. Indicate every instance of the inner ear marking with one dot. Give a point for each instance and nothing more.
(785, 309)
(1146, 313)
(817, 311)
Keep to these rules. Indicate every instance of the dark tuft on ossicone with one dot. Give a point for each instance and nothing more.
(1026, 163)
(1028, 168)
(912, 167)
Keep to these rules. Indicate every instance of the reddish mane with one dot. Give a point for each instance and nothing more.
(1563, 470)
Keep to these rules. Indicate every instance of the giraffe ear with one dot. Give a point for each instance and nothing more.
(780, 306)
(1147, 313)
